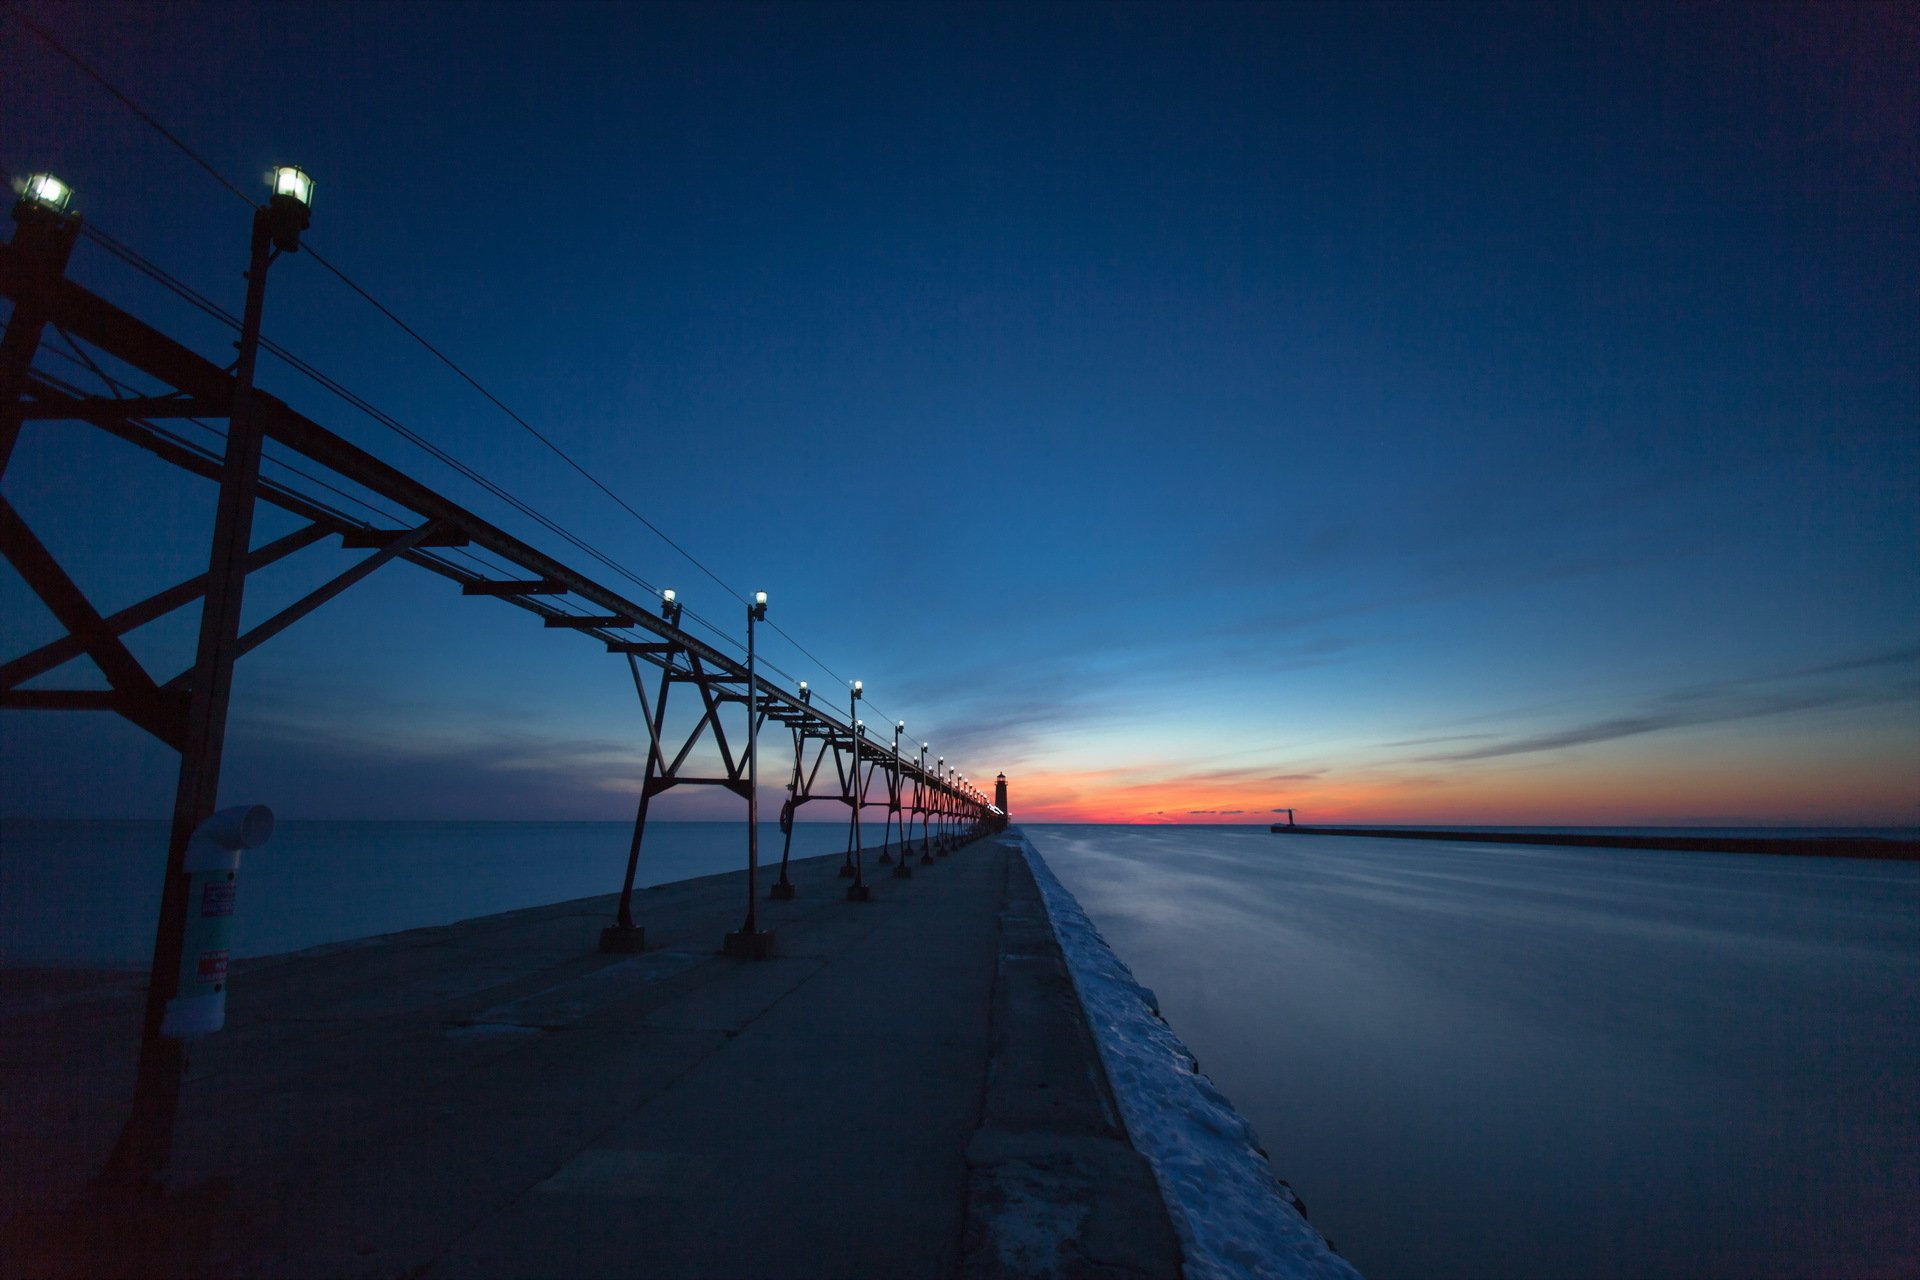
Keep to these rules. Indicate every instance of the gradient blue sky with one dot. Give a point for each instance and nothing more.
(1400, 412)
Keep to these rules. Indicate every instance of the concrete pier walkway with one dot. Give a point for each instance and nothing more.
(905, 1089)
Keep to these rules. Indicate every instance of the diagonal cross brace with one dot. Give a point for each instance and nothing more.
(135, 616)
(137, 697)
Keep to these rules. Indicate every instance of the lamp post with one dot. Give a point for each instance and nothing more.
(46, 228)
(858, 890)
(901, 870)
(783, 887)
(939, 814)
(751, 942)
(925, 794)
(886, 832)
(145, 1144)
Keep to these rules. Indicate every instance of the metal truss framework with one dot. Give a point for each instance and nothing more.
(201, 389)
(176, 709)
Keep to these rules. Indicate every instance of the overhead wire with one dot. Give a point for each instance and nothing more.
(214, 456)
(167, 280)
(198, 300)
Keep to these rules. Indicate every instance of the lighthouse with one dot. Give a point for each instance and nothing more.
(1000, 793)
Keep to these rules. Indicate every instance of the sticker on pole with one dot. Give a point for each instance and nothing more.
(217, 898)
(212, 966)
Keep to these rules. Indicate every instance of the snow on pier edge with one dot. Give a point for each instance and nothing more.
(1233, 1216)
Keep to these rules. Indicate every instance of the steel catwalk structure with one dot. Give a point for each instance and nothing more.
(188, 710)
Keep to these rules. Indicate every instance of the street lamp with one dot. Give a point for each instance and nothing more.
(901, 870)
(806, 694)
(670, 607)
(47, 192)
(921, 792)
(751, 943)
(291, 208)
(940, 803)
(143, 1148)
(45, 231)
(293, 183)
(858, 890)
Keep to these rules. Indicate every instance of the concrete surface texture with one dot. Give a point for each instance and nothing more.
(905, 1088)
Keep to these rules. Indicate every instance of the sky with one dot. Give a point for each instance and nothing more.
(1397, 413)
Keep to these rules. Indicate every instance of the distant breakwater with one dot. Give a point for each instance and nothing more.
(1811, 846)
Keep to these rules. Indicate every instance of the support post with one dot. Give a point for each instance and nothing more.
(751, 942)
(895, 817)
(858, 891)
(783, 887)
(145, 1145)
(922, 808)
(623, 935)
(44, 240)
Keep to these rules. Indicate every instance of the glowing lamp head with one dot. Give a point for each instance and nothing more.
(668, 596)
(45, 191)
(290, 211)
(759, 597)
(859, 689)
(291, 182)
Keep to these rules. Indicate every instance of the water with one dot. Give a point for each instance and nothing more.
(1518, 1061)
(84, 893)
(1481, 1061)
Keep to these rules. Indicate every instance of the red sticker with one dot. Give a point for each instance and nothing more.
(213, 966)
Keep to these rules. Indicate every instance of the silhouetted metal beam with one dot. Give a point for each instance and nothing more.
(365, 539)
(588, 622)
(140, 346)
(423, 536)
(54, 408)
(37, 258)
(140, 696)
(67, 648)
(514, 587)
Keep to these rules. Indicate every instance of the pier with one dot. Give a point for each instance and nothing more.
(334, 489)
(908, 1088)
(1801, 846)
(907, 1083)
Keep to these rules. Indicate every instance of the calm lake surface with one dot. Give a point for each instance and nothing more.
(1480, 1061)
(1497, 1061)
(85, 893)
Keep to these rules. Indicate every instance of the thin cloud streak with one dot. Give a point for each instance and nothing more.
(1716, 703)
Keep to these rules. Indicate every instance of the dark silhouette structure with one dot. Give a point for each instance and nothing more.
(188, 711)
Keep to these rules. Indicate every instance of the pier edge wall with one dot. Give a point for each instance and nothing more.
(1233, 1215)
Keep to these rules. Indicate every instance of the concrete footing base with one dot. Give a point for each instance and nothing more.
(859, 893)
(846, 873)
(886, 859)
(623, 939)
(750, 946)
(903, 871)
(926, 859)
(783, 891)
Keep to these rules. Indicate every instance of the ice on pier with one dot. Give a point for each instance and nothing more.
(1234, 1217)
